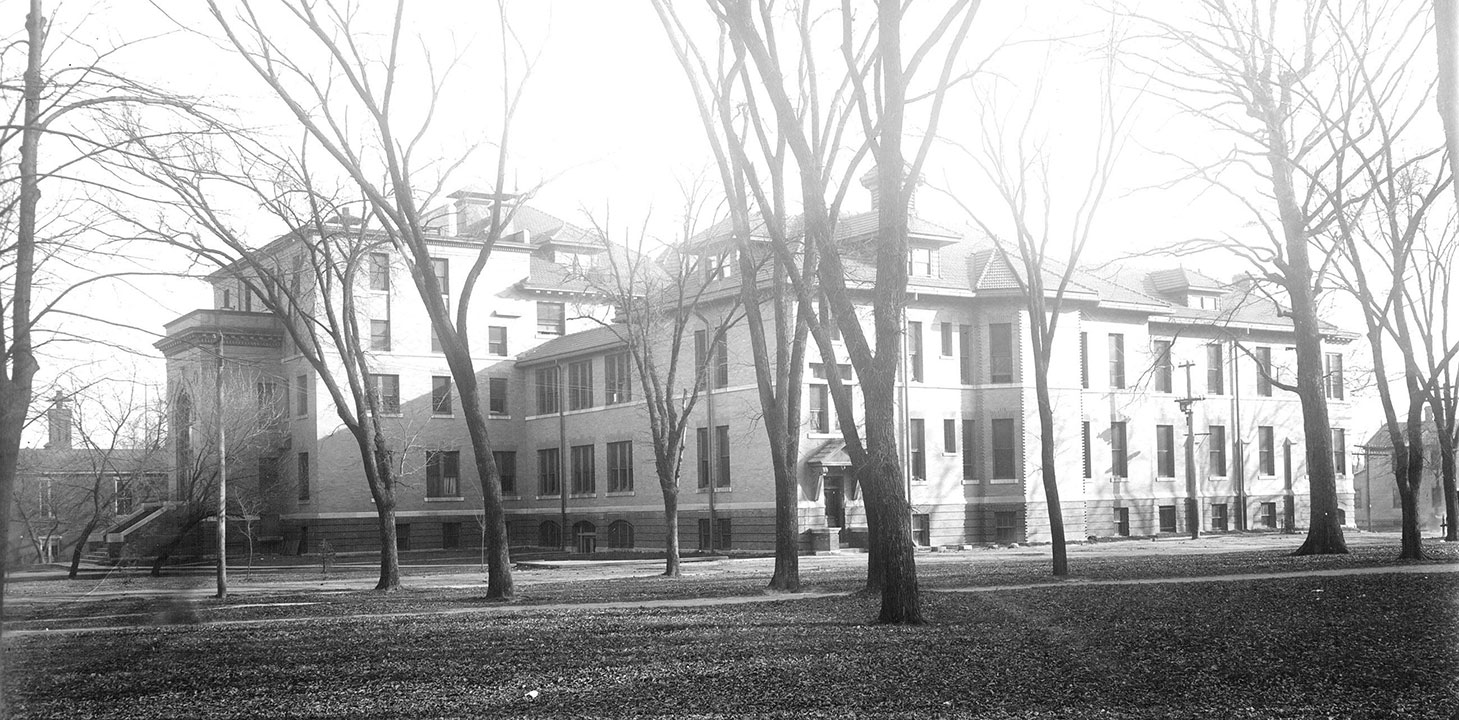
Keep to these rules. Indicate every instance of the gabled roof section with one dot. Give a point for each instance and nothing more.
(1181, 280)
(574, 344)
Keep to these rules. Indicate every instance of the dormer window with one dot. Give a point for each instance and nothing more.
(720, 265)
(919, 262)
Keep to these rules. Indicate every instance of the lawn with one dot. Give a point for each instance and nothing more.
(1342, 646)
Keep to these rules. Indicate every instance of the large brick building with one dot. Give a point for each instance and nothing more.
(571, 436)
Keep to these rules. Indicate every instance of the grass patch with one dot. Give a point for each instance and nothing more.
(1352, 646)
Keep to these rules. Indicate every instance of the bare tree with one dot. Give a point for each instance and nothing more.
(381, 159)
(659, 305)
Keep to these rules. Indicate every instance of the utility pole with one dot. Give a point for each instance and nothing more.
(222, 473)
(1192, 502)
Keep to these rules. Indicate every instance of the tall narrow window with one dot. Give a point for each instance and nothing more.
(1005, 465)
(379, 271)
(1116, 360)
(547, 390)
(443, 473)
(496, 340)
(919, 262)
(947, 339)
(1339, 451)
(701, 438)
(506, 468)
(949, 435)
(969, 470)
(441, 402)
(380, 335)
(1088, 452)
(1164, 369)
(820, 409)
(965, 354)
(551, 318)
(617, 379)
(1165, 451)
(1266, 440)
(303, 467)
(387, 392)
(1084, 360)
(1264, 371)
(1217, 449)
(496, 396)
(1000, 353)
(1333, 375)
(721, 363)
(722, 446)
(580, 385)
(620, 467)
(917, 446)
(584, 475)
(549, 467)
(435, 340)
(1215, 370)
(301, 395)
(701, 354)
(442, 269)
(1119, 449)
(914, 350)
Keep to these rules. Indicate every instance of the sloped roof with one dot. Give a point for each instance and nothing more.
(577, 343)
(42, 461)
(1178, 280)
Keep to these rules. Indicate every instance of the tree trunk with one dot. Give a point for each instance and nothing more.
(671, 528)
(1050, 474)
(1408, 472)
(80, 548)
(389, 550)
(889, 515)
(787, 526)
(498, 553)
(1451, 502)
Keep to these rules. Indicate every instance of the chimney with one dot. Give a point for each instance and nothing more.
(59, 417)
(473, 207)
(872, 182)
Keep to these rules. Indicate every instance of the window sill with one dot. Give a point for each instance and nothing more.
(442, 416)
(1003, 481)
(582, 496)
(971, 481)
(717, 489)
(1117, 478)
(498, 416)
(396, 414)
(553, 496)
(621, 493)
(445, 499)
(511, 496)
(949, 454)
(1163, 478)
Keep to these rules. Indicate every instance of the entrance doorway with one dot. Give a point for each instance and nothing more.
(835, 502)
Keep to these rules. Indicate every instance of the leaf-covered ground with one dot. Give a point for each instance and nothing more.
(1346, 646)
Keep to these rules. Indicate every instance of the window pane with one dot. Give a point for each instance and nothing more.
(1116, 360)
(1000, 353)
(1004, 450)
(441, 403)
(551, 318)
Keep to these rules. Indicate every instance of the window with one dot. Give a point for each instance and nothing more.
(701, 350)
(1217, 449)
(1339, 452)
(47, 498)
(1119, 451)
(1269, 515)
(379, 271)
(1088, 452)
(1004, 526)
(1004, 450)
(1000, 353)
(1215, 371)
(547, 391)
(1167, 518)
(1218, 517)
(441, 268)
(919, 262)
(1266, 440)
(380, 335)
(441, 395)
(820, 409)
(496, 396)
(506, 470)
(584, 474)
(549, 465)
(701, 437)
(969, 471)
(496, 340)
(1165, 451)
(303, 461)
(580, 385)
(947, 339)
(620, 467)
(922, 529)
(1264, 371)
(301, 395)
(1116, 360)
(949, 435)
(435, 339)
(723, 539)
(721, 441)
(918, 448)
(1122, 522)
(551, 318)
(1332, 375)
(402, 536)
(227, 299)
(818, 371)
(617, 379)
(1084, 360)
(1163, 367)
(450, 535)
(549, 535)
(721, 363)
(443, 474)
(965, 354)
(620, 534)
(914, 350)
(386, 389)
